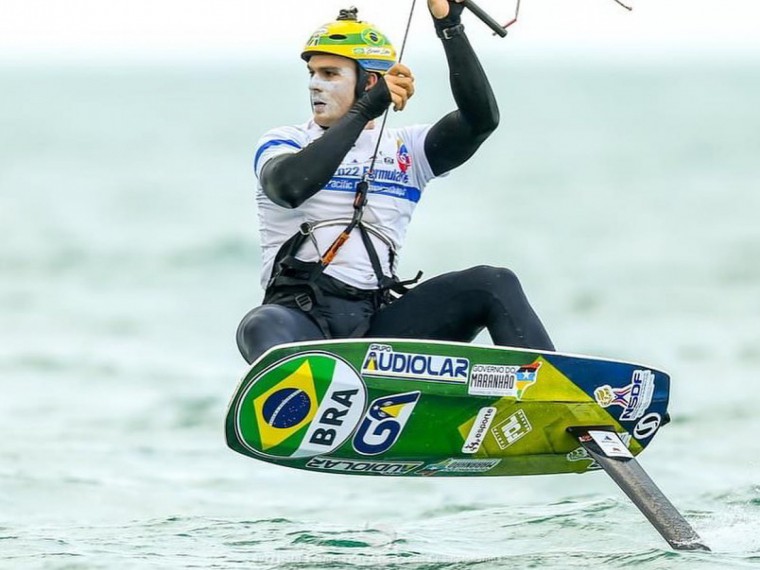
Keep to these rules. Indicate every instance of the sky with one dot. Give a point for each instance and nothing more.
(248, 29)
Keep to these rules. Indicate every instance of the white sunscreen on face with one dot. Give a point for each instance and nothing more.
(332, 92)
(317, 83)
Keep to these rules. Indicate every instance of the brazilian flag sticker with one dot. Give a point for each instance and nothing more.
(302, 406)
(374, 37)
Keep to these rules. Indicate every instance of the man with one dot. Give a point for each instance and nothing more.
(329, 252)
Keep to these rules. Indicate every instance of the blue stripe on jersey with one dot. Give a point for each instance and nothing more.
(270, 144)
(393, 189)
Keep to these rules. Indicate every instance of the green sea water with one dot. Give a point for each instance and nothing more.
(625, 196)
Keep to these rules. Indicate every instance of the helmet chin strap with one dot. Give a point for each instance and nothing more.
(362, 80)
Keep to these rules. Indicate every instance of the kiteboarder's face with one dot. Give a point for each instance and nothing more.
(332, 87)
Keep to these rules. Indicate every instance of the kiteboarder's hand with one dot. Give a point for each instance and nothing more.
(400, 82)
(440, 8)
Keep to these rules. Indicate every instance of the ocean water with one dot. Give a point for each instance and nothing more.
(626, 197)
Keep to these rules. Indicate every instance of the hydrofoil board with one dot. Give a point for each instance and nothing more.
(405, 408)
(424, 408)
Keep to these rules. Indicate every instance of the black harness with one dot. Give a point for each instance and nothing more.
(304, 284)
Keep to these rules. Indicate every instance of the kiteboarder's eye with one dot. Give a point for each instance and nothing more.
(329, 72)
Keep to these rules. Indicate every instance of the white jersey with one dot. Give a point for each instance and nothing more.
(401, 173)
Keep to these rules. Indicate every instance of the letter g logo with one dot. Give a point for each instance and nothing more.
(383, 423)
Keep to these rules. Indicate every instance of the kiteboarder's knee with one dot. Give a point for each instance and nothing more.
(269, 325)
(494, 279)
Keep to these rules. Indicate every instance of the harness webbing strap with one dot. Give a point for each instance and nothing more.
(385, 282)
(374, 259)
(293, 278)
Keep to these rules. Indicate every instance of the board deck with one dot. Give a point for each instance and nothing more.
(393, 407)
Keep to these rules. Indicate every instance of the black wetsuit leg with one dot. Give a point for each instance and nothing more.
(456, 306)
(269, 325)
(272, 324)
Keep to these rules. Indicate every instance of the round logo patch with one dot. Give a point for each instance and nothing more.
(303, 406)
(647, 426)
(373, 37)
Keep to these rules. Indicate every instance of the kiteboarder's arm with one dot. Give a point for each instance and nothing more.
(456, 137)
(289, 180)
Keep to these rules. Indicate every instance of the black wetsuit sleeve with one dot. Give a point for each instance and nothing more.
(291, 179)
(456, 137)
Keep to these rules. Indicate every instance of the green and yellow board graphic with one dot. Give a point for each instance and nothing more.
(424, 408)
(304, 406)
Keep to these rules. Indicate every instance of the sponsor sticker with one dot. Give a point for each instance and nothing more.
(459, 466)
(356, 466)
(374, 37)
(647, 426)
(403, 157)
(514, 428)
(610, 443)
(371, 51)
(314, 39)
(634, 398)
(382, 360)
(383, 423)
(302, 406)
(504, 381)
(479, 430)
(581, 454)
